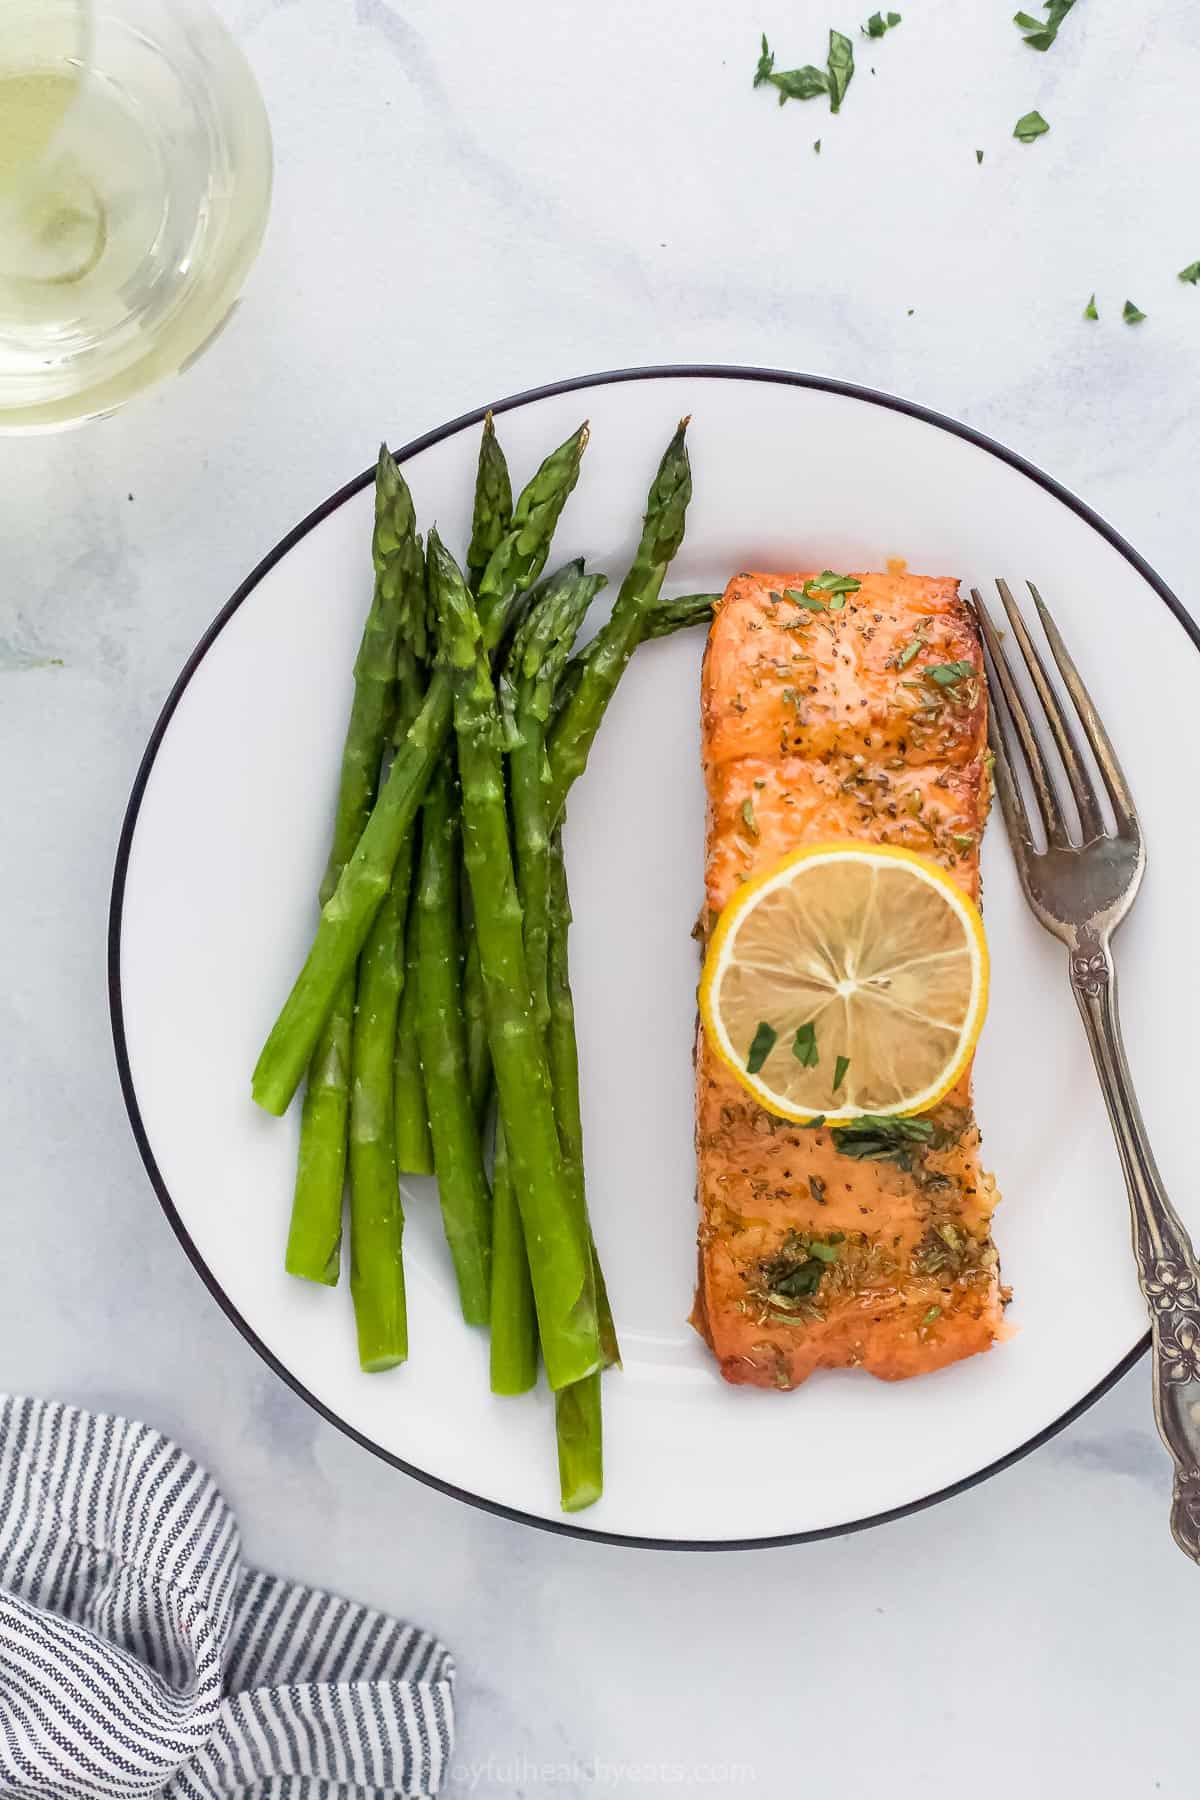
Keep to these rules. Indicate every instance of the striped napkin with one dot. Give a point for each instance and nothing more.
(138, 1656)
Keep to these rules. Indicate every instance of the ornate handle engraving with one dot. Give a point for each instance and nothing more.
(1167, 1268)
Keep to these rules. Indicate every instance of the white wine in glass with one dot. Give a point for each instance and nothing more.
(135, 180)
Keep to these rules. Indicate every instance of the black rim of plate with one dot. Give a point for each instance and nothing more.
(668, 371)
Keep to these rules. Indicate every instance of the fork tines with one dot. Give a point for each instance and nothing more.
(1062, 731)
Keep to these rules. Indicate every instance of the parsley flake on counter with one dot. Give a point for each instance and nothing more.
(817, 145)
(793, 84)
(1191, 273)
(800, 84)
(841, 68)
(1089, 311)
(1132, 315)
(1030, 127)
(761, 1047)
(979, 156)
(876, 25)
(1041, 33)
(804, 1046)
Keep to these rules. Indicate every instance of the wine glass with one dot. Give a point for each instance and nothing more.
(135, 181)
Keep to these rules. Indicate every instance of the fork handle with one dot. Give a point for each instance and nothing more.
(1166, 1261)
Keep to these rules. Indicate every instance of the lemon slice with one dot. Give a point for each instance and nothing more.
(848, 979)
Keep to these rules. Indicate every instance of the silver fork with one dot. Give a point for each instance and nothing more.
(1080, 892)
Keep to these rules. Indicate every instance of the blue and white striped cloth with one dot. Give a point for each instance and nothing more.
(138, 1656)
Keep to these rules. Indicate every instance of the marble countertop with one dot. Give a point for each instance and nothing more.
(471, 200)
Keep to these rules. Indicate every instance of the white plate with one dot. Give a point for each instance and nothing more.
(225, 839)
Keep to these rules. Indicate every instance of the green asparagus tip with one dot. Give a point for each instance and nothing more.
(518, 559)
(395, 515)
(667, 502)
(454, 613)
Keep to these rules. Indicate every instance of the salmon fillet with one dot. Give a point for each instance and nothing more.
(823, 722)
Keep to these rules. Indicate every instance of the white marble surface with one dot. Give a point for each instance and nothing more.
(471, 200)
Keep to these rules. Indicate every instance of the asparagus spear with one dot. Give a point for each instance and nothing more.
(662, 532)
(680, 614)
(536, 658)
(491, 516)
(578, 1417)
(662, 620)
(577, 1410)
(493, 509)
(315, 1232)
(346, 916)
(579, 1430)
(559, 1253)
(514, 1350)
(512, 1301)
(479, 1061)
(441, 1030)
(414, 1146)
(376, 1216)
(562, 1053)
(520, 556)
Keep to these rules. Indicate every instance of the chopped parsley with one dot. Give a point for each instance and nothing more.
(748, 818)
(948, 1251)
(800, 84)
(912, 649)
(761, 1047)
(1031, 126)
(1132, 315)
(825, 1251)
(817, 145)
(1191, 273)
(804, 1046)
(839, 1071)
(808, 81)
(793, 84)
(946, 674)
(794, 1273)
(829, 583)
(873, 1139)
(979, 156)
(1089, 311)
(876, 25)
(1041, 33)
(841, 68)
